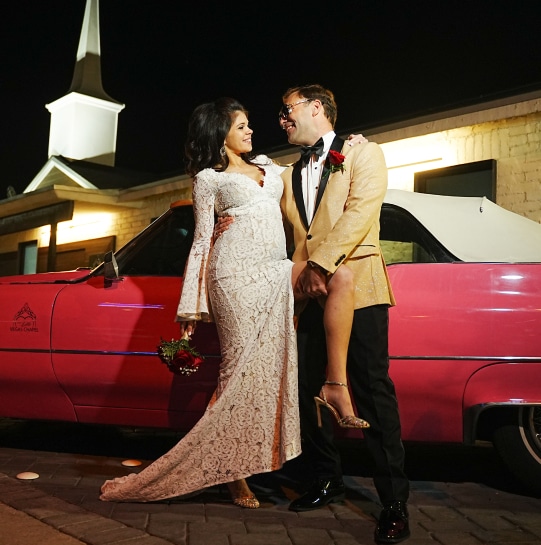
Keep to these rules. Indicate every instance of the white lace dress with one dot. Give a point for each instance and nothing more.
(243, 283)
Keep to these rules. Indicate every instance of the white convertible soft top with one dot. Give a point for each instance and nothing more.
(473, 228)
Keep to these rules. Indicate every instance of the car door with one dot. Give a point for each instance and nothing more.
(105, 334)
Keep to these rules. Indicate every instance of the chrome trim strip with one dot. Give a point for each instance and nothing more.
(515, 359)
(90, 352)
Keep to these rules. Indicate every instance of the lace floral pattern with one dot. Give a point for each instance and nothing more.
(243, 282)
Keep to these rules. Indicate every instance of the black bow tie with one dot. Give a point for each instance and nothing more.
(308, 151)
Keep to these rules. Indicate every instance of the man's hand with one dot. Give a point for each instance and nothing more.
(312, 282)
(356, 139)
(221, 226)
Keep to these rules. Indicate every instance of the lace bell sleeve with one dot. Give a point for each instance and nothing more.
(194, 303)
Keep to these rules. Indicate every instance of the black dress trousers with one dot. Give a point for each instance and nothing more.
(373, 393)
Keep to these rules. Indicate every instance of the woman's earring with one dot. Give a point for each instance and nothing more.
(222, 151)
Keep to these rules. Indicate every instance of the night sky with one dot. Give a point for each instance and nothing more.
(385, 61)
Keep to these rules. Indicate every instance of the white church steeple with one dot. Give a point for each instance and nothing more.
(84, 122)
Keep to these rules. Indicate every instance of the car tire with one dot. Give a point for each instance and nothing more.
(518, 442)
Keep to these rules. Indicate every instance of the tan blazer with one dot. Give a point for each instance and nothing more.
(345, 227)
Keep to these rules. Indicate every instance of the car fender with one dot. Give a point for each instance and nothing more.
(26, 371)
(511, 383)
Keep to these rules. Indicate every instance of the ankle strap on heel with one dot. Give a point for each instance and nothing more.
(334, 383)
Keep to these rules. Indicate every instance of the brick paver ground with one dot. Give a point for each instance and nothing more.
(456, 510)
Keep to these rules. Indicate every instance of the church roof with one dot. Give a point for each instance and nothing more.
(86, 174)
(109, 177)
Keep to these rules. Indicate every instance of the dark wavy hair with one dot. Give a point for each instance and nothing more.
(313, 92)
(207, 129)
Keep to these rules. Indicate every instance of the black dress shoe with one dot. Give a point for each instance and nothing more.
(393, 525)
(321, 493)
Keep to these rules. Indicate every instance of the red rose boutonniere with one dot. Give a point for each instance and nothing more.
(179, 356)
(336, 161)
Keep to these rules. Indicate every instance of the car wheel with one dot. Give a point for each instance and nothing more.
(518, 442)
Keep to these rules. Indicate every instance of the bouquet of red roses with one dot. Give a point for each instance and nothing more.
(179, 356)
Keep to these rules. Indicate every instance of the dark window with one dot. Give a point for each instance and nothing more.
(9, 263)
(476, 179)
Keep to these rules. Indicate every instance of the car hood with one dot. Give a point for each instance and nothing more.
(473, 228)
(45, 278)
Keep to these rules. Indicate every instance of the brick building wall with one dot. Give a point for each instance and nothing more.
(509, 134)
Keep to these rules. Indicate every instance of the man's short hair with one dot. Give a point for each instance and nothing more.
(313, 92)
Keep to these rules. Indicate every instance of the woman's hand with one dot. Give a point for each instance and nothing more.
(356, 139)
(187, 328)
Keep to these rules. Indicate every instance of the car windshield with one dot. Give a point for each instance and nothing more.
(162, 249)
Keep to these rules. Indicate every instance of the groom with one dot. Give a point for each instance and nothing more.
(331, 206)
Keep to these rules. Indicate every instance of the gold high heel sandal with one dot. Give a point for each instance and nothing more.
(349, 421)
(247, 502)
(250, 502)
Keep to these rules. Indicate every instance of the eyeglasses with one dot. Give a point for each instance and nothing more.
(288, 108)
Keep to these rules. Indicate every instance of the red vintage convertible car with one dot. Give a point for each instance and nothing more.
(465, 335)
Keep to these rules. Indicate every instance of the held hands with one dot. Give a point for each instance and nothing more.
(312, 283)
